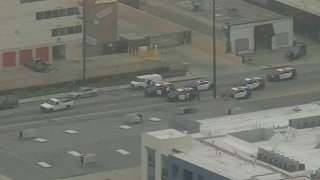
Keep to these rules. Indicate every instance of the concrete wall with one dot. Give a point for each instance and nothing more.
(121, 174)
(199, 40)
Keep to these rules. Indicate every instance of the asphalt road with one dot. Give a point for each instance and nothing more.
(98, 120)
(286, 93)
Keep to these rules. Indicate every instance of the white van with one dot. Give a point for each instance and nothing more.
(144, 81)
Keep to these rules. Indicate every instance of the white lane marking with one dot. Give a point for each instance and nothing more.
(124, 127)
(123, 152)
(40, 140)
(71, 132)
(81, 116)
(44, 164)
(74, 153)
(155, 119)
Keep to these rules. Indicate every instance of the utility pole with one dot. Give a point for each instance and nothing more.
(214, 73)
(84, 35)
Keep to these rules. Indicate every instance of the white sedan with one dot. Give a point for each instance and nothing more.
(252, 83)
(240, 92)
(201, 85)
(83, 92)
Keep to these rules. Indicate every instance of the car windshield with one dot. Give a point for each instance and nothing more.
(139, 79)
(51, 102)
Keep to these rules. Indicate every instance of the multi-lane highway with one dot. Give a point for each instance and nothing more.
(286, 93)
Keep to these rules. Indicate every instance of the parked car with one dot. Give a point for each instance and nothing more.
(37, 65)
(201, 85)
(159, 89)
(282, 74)
(252, 83)
(182, 94)
(296, 50)
(56, 104)
(144, 81)
(240, 92)
(8, 101)
(83, 92)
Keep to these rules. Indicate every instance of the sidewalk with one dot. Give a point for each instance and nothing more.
(105, 89)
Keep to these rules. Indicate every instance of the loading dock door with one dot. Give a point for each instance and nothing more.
(43, 53)
(263, 36)
(58, 52)
(241, 44)
(9, 59)
(25, 55)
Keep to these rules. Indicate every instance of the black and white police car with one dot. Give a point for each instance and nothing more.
(240, 92)
(282, 74)
(252, 83)
(181, 94)
(201, 85)
(159, 89)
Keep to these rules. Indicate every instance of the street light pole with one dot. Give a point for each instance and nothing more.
(214, 73)
(84, 35)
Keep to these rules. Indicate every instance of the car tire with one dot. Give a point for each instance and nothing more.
(68, 107)
(50, 110)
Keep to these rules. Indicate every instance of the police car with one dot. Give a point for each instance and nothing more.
(201, 85)
(181, 94)
(240, 92)
(159, 89)
(252, 83)
(282, 74)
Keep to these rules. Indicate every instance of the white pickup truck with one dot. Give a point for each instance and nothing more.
(55, 104)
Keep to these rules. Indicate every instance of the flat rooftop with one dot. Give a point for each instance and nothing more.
(219, 162)
(311, 6)
(263, 119)
(244, 12)
(166, 134)
(116, 147)
(301, 145)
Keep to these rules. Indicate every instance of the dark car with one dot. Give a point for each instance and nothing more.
(8, 101)
(282, 74)
(296, 50)
(182, 94)
(37, 65)
(159, 89)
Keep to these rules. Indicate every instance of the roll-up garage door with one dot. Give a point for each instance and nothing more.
(241, 44)
(24, 55)
(43, 53)
(9, 59)
(282, 39)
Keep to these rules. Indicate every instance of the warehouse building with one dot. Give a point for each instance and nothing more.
(249, 28)
(244, 27)
(305, 13)
(52, 30)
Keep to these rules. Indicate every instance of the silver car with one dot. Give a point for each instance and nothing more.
(83, 92)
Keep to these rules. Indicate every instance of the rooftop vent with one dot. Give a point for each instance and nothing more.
(254, 135)
(234, 12)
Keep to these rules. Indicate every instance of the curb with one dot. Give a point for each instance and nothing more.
(103, 89)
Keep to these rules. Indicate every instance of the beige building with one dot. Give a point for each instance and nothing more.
(155, 149)
(51, 30)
